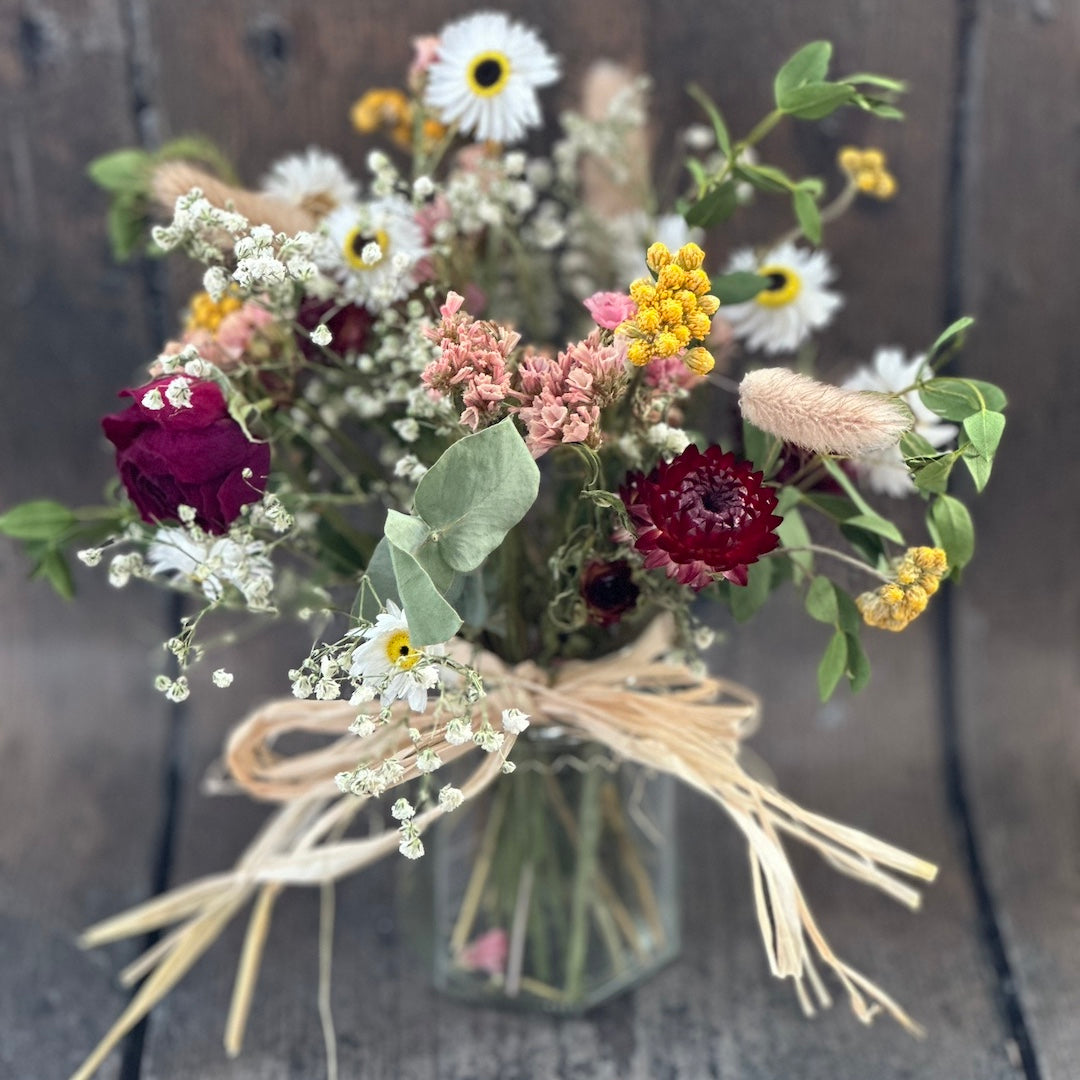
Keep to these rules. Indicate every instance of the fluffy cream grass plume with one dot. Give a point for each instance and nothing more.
(822, 418)
(175, 178)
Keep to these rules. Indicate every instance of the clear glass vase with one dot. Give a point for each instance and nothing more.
(555, 889)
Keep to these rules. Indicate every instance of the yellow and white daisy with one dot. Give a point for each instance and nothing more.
(315, 181)
(373, 251)
(388, 663)
(795, 302)
(485, 76)
(884, 471)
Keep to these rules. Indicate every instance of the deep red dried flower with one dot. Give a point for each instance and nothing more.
(350, 326)
(609, 590)
(194, 455)
(702, 515)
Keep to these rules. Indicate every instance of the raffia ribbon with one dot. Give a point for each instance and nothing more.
(644, 708)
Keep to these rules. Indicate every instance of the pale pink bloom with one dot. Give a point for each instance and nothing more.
(472, 363)
(229, 345)
(425, 53)
(610, 309)
(669, 374)
(486, 953)
(562, 397)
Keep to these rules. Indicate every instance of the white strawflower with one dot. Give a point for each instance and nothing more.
(213, 563)
(514, 721)
(486, 75)
(387, 661)
(357, 232)
(314, 180)
(795, 301)
(884, 471)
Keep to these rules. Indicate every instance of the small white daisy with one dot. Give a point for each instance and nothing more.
(387, 660)
(213, 563)
(315, 180)
(884, 471)
(796, 300)
(373, 249)
(485, 77)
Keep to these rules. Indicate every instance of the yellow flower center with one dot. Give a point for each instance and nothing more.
(489, 73)
(784, 285)
(357, 240)
(399, 650)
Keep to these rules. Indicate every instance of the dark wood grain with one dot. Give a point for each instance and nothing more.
(1019, 695)
(81, 730)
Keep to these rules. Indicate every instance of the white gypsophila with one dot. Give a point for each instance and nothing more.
(402, 810)
(514, 721)
(488, 739)
(321, 335)
(389, 225)
(387, 661)
(670, 441)
(428, 761)
(458, 731)
(222, 679)
(215, 282)
(796, 301)
(314, 180)
(486, 74)
(178, 393)
(411, 846)
(213, 563)
(450, 798)
(633, 233)
(884, 471)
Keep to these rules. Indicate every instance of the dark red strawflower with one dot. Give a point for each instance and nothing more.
(702, 515)
(349, 324)
(609, 590)
(193, 456)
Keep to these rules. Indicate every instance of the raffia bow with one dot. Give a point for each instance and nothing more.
(643, 707)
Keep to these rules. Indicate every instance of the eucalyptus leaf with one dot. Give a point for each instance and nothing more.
(121, 171)
(913, 445)
(821, 601)
(414, 536)
(979, 467)
(479, 489)
(952, 337)
(793, 533)
(720, 129)
(858, 663)
(867, 518)
(380, 574)
(957, 399)
(766, 177)
(431, 619)
(933, 475)
(53, 567)
(883, 82)
(746, 599)
(815, 101)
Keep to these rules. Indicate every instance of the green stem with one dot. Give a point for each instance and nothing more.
(820, 549)
(589, 819)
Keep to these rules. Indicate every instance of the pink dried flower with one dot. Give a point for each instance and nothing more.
(669, 374)
(486, 953)
(610, 309)
(472, 363)
(820, 417)
(425, 53)
(231, 343)
(561, 398)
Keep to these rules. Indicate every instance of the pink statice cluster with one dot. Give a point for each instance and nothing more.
(472, 365)
(562, 397)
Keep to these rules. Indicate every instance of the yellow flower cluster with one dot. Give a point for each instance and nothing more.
(867, 169)
(390, 110)
(674, 311)
(918, 575)
(205, 313)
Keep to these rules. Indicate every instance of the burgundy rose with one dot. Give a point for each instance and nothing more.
(702, 515)
(349, 326)
(609, 590)
(193, 455)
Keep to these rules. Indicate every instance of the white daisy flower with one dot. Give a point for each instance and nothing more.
(884, 471)
(387, 660)
(213, 563)
(486, 74)
(373, 250)
(315, 180)
(796, 300)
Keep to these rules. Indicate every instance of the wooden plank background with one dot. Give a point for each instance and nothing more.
(964, 747)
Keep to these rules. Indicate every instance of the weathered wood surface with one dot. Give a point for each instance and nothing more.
(84, 752)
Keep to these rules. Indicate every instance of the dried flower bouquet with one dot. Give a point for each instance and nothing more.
(454, 417)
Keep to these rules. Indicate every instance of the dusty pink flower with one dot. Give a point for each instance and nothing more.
(487, 952)
(610, 309)
(561, 398)
(669, 374)
(229, 345)
(425, 52)
(472, 363)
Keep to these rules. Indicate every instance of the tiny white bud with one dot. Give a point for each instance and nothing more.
(222, 678)
(321, 334)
